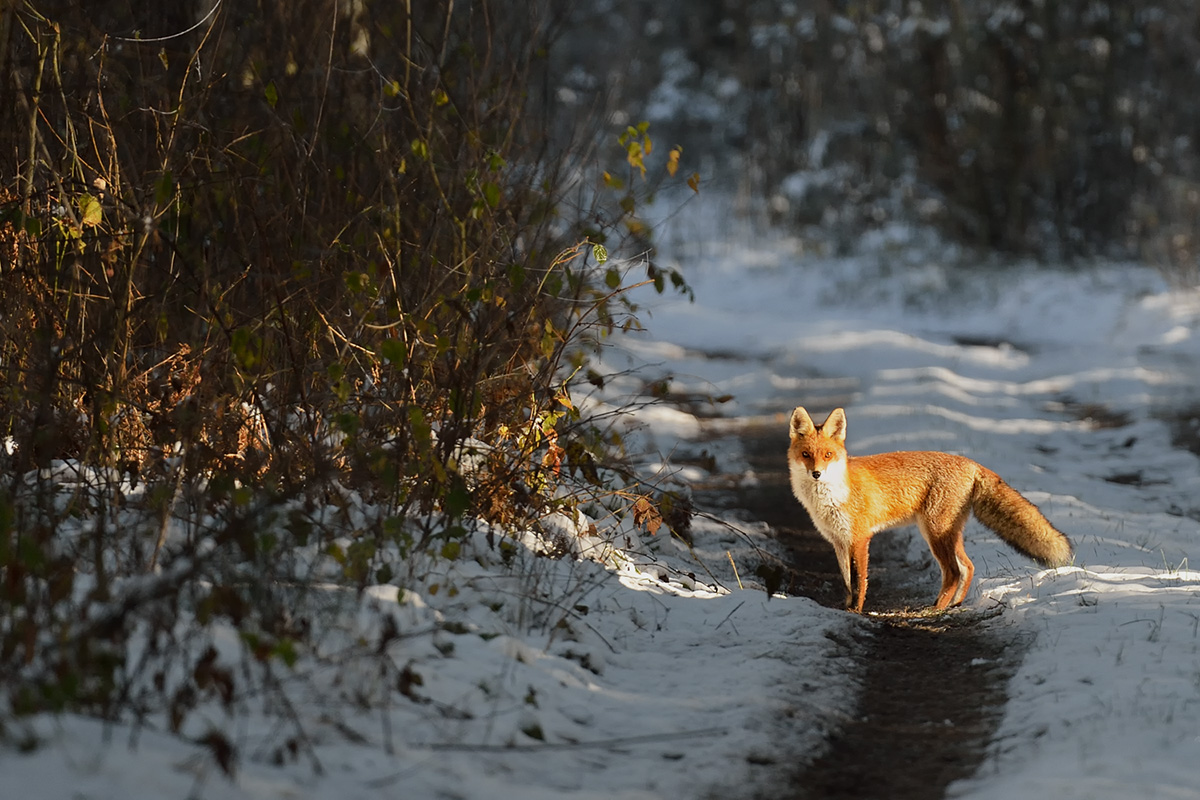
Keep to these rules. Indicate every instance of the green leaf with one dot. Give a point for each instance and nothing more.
(394, 351)
(285, 649)
(655, 274)
(612, 278)
(246, 348)
(516, 275)
(272, 94)
(420, 429)
(491, 193)
(347, 422)
(457, 499)
(600, 253)
(164, 187)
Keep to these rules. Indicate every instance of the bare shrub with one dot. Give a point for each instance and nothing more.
(288, 295)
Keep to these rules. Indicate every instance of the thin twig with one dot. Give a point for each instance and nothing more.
(171, 36)
(730, 614)
(618, 741)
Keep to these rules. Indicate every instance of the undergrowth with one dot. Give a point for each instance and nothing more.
(289, 297)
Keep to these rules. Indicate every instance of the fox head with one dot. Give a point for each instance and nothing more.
(817, 447)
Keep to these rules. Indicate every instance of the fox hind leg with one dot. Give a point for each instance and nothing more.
(957, 570)
(966, 570)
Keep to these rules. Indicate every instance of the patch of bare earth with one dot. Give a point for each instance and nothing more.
(932, 685)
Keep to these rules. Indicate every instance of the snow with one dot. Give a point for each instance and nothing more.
(1107, 701)
(643, 671)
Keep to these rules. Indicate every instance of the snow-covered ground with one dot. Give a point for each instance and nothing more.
(646, 672)
(1068, 384)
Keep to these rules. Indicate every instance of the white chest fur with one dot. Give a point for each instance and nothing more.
(825, 499)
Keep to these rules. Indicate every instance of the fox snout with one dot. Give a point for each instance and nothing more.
(816, 462)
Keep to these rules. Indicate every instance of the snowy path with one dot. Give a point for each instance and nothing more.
(931, 688)
(1057, 381)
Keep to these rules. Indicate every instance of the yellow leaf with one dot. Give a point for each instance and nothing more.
(635, 156)
(90, 213)
(694, 182)
(673, 160)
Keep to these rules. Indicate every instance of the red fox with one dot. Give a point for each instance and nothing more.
(851, 498)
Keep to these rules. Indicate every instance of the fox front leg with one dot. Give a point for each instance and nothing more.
(843, 558)
(861, 555)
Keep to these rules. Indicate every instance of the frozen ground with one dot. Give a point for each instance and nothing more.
(645, 671)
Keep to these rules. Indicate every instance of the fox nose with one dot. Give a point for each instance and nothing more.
(816, 473)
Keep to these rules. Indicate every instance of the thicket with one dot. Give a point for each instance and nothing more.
(260, 261)
(1049, 129)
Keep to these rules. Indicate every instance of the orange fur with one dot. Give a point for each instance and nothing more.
(851, 498)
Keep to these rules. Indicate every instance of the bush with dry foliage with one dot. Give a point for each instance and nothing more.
(260, 263)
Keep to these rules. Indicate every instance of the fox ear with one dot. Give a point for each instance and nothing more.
(802, 423)
(834, 425)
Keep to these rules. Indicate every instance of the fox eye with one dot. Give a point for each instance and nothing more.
(829, 454)
(806, 454)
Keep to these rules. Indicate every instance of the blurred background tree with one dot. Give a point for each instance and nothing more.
(1046, 129)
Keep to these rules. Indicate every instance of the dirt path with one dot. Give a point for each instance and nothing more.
(933, 686)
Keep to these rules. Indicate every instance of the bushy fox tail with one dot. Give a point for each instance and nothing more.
(1018, 521)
